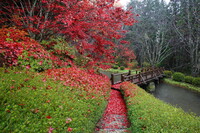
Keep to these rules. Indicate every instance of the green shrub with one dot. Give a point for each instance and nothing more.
(189, 79)
(196, 81)
(122, 68)
(168, 73)
(115, 67)
(177, 76)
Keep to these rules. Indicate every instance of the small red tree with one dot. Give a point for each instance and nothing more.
(90, 25)
(15, 46)
(124, 54)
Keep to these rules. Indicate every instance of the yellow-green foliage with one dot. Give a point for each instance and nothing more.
(150, 115)
(168, 73)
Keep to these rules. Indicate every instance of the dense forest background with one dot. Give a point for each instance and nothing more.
(167, 34)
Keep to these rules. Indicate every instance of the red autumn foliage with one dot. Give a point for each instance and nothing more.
(82, 79)
(115, 115)
(48, 117)
(125, 52)
(89, 25)
(13, 44)
(129, 89)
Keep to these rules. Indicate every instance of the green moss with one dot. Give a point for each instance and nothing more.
(182, 84)
(150, 115)
(30, 105)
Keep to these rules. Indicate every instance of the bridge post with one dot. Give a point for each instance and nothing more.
(139, 77)
(122, 78)
(112, 79)
(129, 72)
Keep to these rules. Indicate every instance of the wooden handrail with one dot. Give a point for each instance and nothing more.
(144, 76)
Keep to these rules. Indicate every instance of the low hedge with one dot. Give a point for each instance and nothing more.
(189, 79)
(122, 68)
(115, 67)
(32, 103)
(168, 73)
(177, 76)
(196, 81)
(150, 115)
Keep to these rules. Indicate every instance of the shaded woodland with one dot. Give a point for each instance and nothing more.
(167, 34)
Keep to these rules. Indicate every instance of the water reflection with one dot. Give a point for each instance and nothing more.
(180, 97)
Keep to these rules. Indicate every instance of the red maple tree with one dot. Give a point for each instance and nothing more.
(90, 25)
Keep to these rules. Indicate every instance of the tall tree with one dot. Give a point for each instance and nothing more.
(186, 23)
(149, 35)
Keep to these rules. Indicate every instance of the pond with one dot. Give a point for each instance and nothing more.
(187, 100)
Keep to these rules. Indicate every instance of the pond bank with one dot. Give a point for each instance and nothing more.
(179, 97)
(183, 85)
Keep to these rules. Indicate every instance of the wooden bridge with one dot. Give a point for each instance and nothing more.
(143, 77)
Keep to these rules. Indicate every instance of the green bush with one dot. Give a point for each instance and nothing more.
(168, 73)
(189, 79)
(115, 67)
(148, 114)
(177, 76)
(122, 68)
(196, 81)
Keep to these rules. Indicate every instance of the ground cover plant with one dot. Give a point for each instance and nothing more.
(150, 115)
(182, 84)
(32, 102)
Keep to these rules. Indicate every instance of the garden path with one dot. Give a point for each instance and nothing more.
(115, 118)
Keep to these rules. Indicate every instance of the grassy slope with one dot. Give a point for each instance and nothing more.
(150, 115)
(29, 104)
(182, 84)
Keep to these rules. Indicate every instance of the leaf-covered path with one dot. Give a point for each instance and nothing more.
(115, 118)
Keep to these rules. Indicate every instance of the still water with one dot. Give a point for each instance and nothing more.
(187, 100)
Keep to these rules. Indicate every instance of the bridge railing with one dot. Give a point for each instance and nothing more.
(144, 76)
(120, 76)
